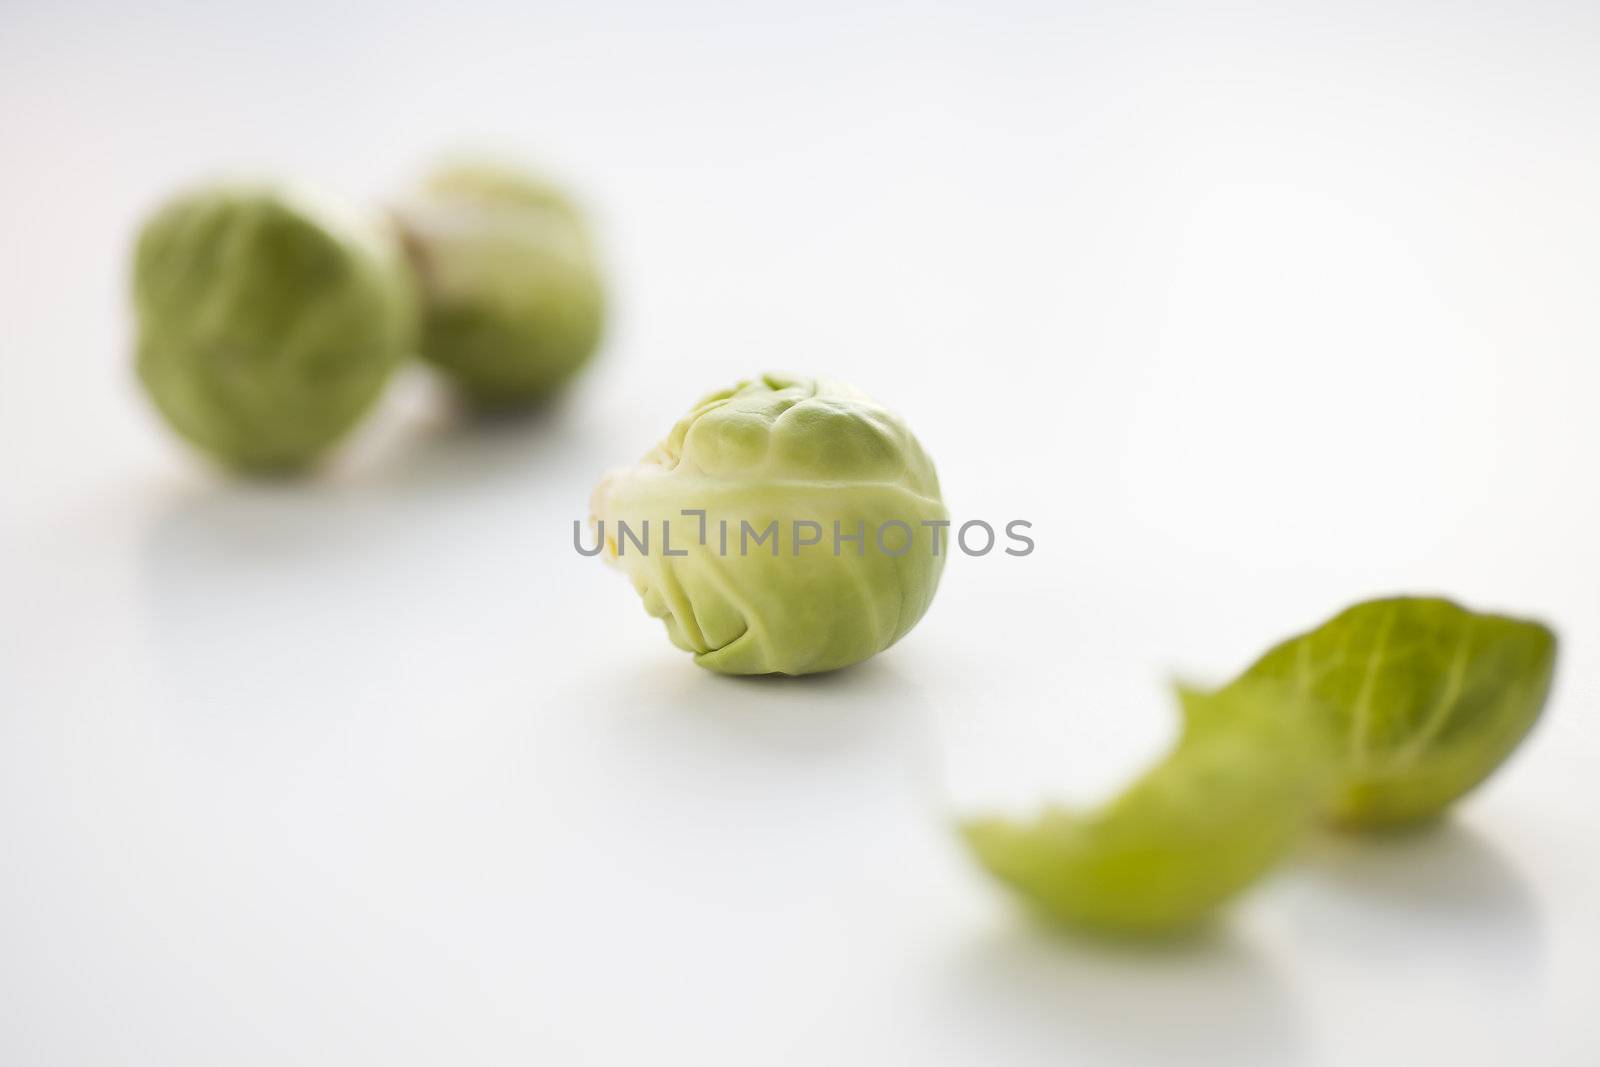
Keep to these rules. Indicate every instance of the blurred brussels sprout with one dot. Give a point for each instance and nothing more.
(785, 526)
(512, 298)
(267, 323)
(1228, 802)
(1427, 697)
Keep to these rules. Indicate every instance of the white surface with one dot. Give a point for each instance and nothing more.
(1253, 313)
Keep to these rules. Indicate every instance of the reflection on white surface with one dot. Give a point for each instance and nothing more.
(1211, 999)
(1422, 925)
(1465, 908)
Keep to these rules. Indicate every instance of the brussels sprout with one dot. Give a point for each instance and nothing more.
(797, 527)
(512, 298)
(1427, 697)
(267, 324)
(1220, 810)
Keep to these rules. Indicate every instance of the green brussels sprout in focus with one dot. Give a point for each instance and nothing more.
(267, 323)
(1230, 801)
(1427, 697)
(512, 299)
(818, 541)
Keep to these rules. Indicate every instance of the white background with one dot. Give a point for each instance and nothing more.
(1253, 310)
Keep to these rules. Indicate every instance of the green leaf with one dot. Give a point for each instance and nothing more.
(1228, 802)
(1426, 698)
